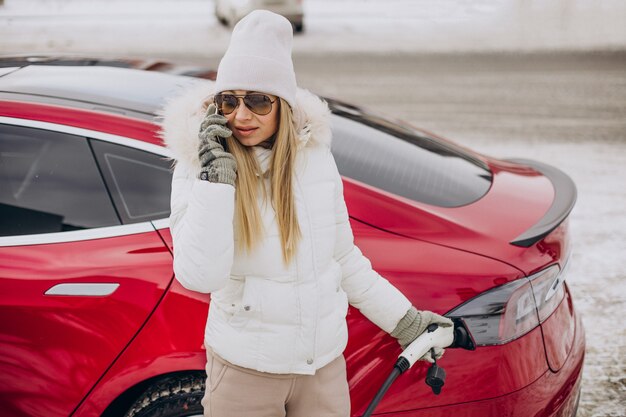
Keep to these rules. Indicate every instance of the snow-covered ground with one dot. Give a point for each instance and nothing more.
(154, 26)
(597, 277)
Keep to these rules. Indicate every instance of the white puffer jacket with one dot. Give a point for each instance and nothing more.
(265, 315)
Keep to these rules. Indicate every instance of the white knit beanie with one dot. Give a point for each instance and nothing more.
(258, 57)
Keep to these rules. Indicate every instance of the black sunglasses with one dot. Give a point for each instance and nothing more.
(260, 104)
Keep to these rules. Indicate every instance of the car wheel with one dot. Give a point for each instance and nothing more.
(298, 27)
(177, 396)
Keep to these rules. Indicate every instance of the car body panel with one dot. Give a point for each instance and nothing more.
(55, 347)
(553, 394)
(434, 278)
(100, 122)
(162, 347)
(484, 227)
(494, 371)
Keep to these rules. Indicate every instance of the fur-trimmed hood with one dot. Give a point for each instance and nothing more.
(181, 116)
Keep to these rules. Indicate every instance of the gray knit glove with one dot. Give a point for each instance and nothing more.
(413, 324)
(217, 164)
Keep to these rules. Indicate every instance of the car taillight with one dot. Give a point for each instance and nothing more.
(507, 312)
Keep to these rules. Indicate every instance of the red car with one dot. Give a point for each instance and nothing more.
(93, 322)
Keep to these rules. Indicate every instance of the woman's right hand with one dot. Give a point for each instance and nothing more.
(217, 165)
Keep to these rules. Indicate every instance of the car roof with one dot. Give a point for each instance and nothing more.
(130, 92)
(144, 64)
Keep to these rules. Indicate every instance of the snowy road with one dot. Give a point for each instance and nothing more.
(568, 110)
(155, 27)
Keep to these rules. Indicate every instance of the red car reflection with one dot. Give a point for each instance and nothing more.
(93, 322)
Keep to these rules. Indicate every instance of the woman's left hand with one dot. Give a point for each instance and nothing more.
(414, 323)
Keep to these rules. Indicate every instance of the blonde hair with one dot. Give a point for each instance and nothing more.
(281, 168)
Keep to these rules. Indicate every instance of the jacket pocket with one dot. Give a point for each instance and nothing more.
(216, 373)
(249, 307)
(229, 298)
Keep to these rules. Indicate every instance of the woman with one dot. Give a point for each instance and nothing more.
(259, 221)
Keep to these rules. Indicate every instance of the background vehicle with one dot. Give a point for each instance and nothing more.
(229, 12)
(92, 316)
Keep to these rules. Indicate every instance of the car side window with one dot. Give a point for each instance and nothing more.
(140, 182)
(50, 183)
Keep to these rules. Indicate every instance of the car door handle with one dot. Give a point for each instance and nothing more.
(83, 289)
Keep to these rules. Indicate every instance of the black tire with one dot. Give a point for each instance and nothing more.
(177, 396)
(298, 27)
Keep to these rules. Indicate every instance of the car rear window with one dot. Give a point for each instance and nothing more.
(398, 159)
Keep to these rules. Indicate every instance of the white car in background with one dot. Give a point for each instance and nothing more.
(229, 12)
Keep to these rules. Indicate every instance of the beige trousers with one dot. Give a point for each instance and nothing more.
(233, 391)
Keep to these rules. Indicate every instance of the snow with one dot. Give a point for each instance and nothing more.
(330, 25)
